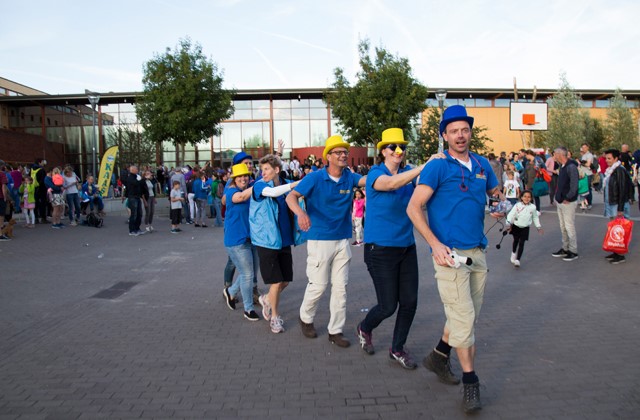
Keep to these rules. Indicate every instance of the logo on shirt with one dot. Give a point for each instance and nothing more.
(481, 176)
(345, 191)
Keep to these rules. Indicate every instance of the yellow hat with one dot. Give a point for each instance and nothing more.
(332, 143)
(239, 170)
(391, 136)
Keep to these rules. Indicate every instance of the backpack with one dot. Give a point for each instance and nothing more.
(220, 189)
(94, 220)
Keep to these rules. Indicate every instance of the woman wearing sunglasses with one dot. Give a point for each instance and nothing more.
(390, 250)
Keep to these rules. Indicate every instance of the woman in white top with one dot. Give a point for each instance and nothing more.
(70, 185)
(519, 219)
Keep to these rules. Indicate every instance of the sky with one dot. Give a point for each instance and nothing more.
(69, 46)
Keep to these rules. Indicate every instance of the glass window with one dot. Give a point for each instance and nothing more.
(483, 103)
(587, 104)
(319, 132)
(253, 135)
(242, 104)
(300, 114)
(282, 113)
(318, 113)
(282, 103)
(282, 130)
(231, 136)
(317, 103)
(204, 145)
(261, 114)
(602, 103)
(3, 91)
(241, 114)
(300, 103)
(502, 103)
(467, 102)
(300, 133)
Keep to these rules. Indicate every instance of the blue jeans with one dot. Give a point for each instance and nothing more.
(15, 194)
(135, 205)
(217, 205)
(394, 271)
(245, 258)
(229, 271)
(73, 200)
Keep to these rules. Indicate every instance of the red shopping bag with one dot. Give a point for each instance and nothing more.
(618, 236)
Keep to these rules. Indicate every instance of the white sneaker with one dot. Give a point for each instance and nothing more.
(148, 228)
(276, 325)
(516, 263)
(513, 258)
(266, 307)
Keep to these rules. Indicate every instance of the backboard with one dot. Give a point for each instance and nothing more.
(528, 116)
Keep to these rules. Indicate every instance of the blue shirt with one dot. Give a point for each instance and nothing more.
(328, 204)
(236, 220)
(456, 217)
(284, 219)
(387, 223)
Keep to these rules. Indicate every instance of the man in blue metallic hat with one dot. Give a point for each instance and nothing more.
(454, 191)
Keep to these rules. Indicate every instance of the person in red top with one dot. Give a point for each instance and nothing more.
(602, 162)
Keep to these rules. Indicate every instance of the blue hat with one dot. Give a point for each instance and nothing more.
(455, 113)
(240, 157)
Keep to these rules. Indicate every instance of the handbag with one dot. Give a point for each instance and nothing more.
(583, 185)
(544, 174)
(540, 187)
(618, 236)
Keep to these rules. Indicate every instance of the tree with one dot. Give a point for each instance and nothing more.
(385, 96)
(620, 126)
(427, 142)
(183, 101)
(594, 133)
(566, 123)
(134, 146)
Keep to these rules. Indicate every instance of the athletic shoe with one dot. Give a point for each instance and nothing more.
(618, 259)
(266, 307)
(514, 256)
(55, 226)
(471, 398)
(251, 316)
(403, 358)
(134, 234)
(4, 238)
(516, 263)
(204, 226)
(365, 340)
(561, 253)
(339, 340)
(73, 223)
(570, 256)
(231, 303)
(196, 225)
(276, 325)
(610, 256)
(174, 230)
(141, 232)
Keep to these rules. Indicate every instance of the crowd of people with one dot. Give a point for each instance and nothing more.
(266, 210)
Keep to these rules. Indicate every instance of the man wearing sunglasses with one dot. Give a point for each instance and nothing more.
(454, 191)
(327, 223)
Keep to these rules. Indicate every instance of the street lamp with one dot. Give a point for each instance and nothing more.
(94, 98)
(441, 95)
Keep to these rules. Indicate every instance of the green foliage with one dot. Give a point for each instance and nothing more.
(566, 123)
(385, 96)
(427, 142)
(620, 126)
(183, 101)
(594, 134)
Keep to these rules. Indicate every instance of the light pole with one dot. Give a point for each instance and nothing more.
(94, 98)
(441, 95)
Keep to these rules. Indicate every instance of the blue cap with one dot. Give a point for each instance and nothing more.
(455, 113)
(238, 158)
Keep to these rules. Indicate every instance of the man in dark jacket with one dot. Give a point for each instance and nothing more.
(38, 173)
(566, 199)
(135, 192)
(618, 192)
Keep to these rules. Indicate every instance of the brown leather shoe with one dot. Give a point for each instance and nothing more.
(339, 340)
(308, 330)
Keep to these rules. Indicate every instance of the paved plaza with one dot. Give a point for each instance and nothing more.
(555, 340)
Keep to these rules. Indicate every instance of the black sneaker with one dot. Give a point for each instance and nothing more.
(471, 398)
(231, 302)
(618, 259)
(441, 366)
(610, 256)
(570, 256)
(339, 340)
(403, 358)
(4, 238)
(251, 316)
(561, 253)
(365, 340)
(308, 330)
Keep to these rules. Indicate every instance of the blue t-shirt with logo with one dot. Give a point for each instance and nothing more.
(328, 204)
(236, 220)
(386, 220)
(456, 208)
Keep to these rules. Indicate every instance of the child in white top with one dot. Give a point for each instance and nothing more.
(519, 219)
(511, 188)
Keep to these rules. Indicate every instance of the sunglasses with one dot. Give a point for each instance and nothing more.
(393, 147)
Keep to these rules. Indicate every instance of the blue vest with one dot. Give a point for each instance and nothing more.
(263, 222)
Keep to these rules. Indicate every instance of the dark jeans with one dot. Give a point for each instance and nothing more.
(135, 205)
(73, 201)
(394, 271)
